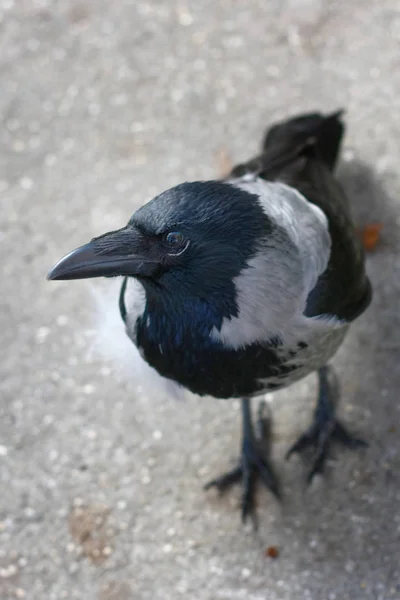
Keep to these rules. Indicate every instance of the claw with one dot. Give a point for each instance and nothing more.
(248, 493)
(343, 436)
(303, 442)
(225, 481)
(253, 465)
(319, 437)
(324, 429)
(270, 481)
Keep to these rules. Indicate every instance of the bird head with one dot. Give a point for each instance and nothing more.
(190, 241)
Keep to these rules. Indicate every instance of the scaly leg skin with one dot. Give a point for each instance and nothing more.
(253, 463)
(324, 429)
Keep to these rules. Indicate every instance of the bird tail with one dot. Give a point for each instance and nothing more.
(321, 133)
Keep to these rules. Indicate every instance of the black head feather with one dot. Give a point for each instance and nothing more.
(224, 226)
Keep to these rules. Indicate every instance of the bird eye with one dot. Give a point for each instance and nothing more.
(174, 238)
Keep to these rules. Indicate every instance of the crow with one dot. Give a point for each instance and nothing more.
(248, 284)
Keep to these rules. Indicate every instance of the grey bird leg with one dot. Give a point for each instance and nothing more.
(324, 429)
(253, 463)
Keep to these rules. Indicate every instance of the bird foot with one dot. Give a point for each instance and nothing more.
(253, 465)
(319, 437)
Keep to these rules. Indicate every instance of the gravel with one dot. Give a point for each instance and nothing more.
(104, 104)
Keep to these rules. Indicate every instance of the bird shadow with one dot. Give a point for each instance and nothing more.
(352, 507)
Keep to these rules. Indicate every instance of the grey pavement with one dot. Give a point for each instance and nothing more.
(103, 104)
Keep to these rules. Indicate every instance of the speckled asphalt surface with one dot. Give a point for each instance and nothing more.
(103, 104)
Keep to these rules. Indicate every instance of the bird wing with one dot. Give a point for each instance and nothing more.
(302, 153)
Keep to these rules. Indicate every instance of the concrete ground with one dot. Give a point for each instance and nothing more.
(103, 104)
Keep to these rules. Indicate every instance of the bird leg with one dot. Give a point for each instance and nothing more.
(253, 463)
(324, 429)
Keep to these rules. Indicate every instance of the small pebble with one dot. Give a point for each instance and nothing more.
(19, 146)
(62, 320)
(7, 572)
(73, 568)
(41, 334)
(272, 552)
(89, 388)
(185, 18)
(91, 434)
(50, 160)
(26, 183)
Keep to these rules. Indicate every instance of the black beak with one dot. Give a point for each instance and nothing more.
(110, 255)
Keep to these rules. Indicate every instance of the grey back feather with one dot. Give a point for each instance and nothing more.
(272, 290)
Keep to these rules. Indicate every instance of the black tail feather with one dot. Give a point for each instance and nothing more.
(323, 133)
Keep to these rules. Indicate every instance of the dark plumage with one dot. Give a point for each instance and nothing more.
(250, 282)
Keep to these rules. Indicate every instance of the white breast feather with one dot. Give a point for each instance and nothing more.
(112, 343)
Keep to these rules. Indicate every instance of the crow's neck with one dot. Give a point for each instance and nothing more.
(178, 324)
